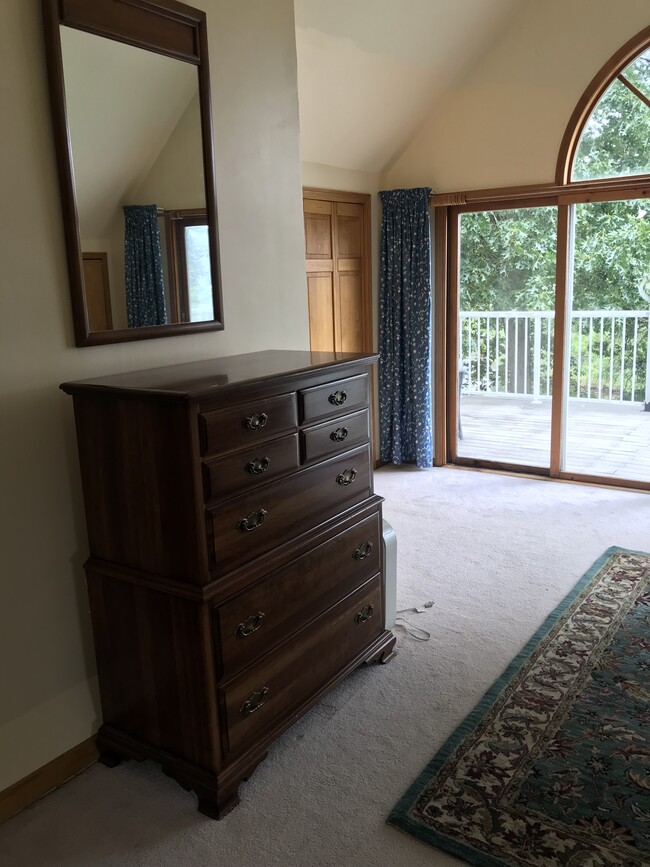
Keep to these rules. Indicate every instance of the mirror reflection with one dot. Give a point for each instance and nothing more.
(135, 132)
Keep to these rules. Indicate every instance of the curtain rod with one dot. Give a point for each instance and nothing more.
(639, 183)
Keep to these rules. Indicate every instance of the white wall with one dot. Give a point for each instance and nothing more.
(502, 124)
(47, 680)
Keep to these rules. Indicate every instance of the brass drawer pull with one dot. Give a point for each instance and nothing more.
(346, 477)
(363, 551)
(365, 614)
(257, 466)
(255, 702)
(339, 434)
(338, 398)
(250, 625)
(252, 521)
(257, 421)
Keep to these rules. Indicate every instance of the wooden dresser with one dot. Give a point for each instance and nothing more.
(235, 571)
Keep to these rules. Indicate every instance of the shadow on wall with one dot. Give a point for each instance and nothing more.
(44, 593)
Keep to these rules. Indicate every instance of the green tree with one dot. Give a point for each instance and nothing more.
(616, 138)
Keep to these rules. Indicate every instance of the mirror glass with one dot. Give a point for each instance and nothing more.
(134, 121)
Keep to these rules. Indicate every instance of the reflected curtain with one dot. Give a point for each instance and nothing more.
(143, 267)
(405, 328)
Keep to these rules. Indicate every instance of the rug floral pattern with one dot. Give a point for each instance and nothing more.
(553, 767)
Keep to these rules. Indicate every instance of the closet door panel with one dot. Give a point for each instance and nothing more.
(320, 291)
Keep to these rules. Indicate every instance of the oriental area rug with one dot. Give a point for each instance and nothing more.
(553, 765)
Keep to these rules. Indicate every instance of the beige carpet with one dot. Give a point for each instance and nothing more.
(495, 554)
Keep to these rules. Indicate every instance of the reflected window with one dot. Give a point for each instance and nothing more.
(199, 278)
(188, 250)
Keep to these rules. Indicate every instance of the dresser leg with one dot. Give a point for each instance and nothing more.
(217, 802)
(218, 806)
(385, 652)
(388, 655)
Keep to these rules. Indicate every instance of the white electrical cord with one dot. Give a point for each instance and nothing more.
(414, 631)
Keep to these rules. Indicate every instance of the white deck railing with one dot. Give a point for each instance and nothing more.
(511, 353)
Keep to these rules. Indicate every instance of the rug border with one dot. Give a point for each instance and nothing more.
(398, 816)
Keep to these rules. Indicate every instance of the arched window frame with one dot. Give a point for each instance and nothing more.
(588, 102)
(564, 193)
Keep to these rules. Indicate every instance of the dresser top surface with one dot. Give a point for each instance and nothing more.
(199, 378)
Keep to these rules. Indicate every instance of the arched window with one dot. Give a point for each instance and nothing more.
(543, 301)
(608, 135)
(615, 141)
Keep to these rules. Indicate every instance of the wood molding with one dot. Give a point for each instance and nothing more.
(641, 191)
(453, 293)
(323, 195)
(539, 194)
(49, 777)
(563, 479)
(562, 315)
(440, 287)
(635, 90)
(444, 200)
(604, 481)
(500, 466)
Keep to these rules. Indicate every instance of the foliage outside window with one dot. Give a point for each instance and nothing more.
(616, 139)
(508, 264)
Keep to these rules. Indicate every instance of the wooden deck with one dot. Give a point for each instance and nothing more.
(602, 439)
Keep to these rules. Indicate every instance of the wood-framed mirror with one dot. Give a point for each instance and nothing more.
(130, 95)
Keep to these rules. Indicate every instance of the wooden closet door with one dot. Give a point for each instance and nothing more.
(337, 250)
(319, 252)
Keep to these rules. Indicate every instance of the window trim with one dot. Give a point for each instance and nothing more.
(175, 223)
(587, 103)
(446, 275)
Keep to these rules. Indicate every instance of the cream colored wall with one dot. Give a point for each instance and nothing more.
(502, 124)
(47, 683)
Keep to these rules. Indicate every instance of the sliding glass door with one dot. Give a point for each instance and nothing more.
(567, 280)
(607, 375)
(505, 332)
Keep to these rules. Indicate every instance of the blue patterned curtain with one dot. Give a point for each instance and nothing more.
(405, 328)
(143, 267)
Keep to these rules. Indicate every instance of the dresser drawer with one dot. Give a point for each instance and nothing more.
(269, 693)
(333, 398)
(335, 436)
(247, 469)
(234, 427)
(258, 619)
(252, 524)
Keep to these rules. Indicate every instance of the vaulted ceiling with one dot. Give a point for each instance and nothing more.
(370, 71)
